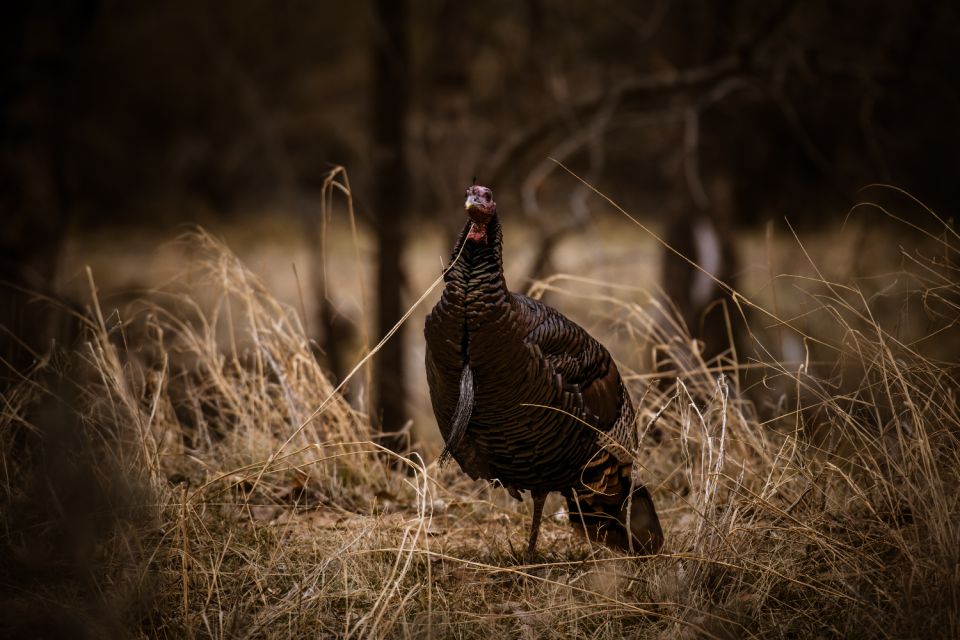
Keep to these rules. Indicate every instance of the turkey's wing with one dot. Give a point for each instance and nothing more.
(583, 364)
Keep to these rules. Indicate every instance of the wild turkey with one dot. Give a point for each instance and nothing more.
(524, 396)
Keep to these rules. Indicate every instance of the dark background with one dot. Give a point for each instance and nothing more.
(117, 114)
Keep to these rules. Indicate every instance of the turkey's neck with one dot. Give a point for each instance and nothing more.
(478, 274)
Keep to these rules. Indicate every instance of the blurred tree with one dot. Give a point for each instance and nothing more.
(38, 90)
(441, 149)
(391, 207)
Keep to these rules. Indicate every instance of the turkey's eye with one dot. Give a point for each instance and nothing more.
(486, 197)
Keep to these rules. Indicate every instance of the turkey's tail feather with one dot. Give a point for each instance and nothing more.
(609, 510)
(461, 416)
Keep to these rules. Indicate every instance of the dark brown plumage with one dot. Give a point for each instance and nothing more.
(525, 396)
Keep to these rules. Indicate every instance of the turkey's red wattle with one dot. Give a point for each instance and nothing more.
(477, 233)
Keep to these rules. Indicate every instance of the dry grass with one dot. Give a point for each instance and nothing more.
(200, 477)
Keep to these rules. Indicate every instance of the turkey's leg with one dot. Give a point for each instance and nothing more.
(538, 500)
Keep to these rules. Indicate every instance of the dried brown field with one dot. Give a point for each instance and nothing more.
(189, 470)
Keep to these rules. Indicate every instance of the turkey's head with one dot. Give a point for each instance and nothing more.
(480, 208)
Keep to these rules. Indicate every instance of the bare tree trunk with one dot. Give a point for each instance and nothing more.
(35, 176)
(447, 153)
(391, 194)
